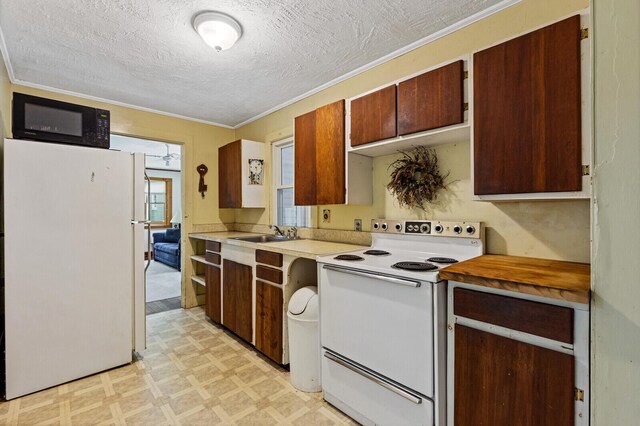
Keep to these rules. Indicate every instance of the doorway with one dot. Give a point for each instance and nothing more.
(163, 201)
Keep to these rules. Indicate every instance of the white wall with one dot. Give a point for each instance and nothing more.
(616, 214)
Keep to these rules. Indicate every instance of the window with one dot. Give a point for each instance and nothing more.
(159, 202)
(286, 213)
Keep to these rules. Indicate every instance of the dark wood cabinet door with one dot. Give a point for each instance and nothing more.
(527, 114)
(330, 154)
(500, 381)
(237, 298)
(305, 159)
(230, 175)
(213, 307)
(373, 117)
(269, 320)
(431, 100)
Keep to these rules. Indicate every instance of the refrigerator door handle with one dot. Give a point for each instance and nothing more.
(148, 222)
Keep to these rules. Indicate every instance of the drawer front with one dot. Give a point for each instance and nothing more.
(212, 257)
(269, 274)
(213, 246)
(269, 258)
(369, 401)
(540, 319)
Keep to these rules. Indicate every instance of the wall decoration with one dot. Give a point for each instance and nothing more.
(256, 171)
(202, 170)
(416, 178)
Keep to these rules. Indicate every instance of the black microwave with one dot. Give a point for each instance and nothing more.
(48, 120)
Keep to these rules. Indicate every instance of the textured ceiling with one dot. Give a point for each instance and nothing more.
(145, 52)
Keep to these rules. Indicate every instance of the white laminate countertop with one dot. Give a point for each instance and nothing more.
(299, 248)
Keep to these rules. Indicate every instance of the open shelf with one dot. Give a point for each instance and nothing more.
(199, 279)
(451, 134)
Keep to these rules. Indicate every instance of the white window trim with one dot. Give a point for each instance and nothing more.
(276, 161)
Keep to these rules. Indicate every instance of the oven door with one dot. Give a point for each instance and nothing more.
(383, 323)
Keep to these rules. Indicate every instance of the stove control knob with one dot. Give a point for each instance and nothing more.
(438, 228)
(410, 228)
(398, 227)
(384, 226)
(376, 225)
(470, 229)
(457, 229)
(425, 228)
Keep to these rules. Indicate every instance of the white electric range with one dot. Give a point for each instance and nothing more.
(383, 320)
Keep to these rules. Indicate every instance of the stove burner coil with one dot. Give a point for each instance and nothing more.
(415, 266)
(376, 252)
(348, 257)
(442, 260)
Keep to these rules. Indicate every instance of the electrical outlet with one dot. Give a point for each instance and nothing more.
(357, 224)
(326, 215)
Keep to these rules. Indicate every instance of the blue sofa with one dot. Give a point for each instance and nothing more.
(166, 247)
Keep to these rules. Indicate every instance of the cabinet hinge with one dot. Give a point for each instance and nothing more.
(586, 170)
(579, 394)
(584, 33)
(466, 106)
(466, 75)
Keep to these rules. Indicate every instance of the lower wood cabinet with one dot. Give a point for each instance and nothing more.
(501, 381)
(213, 305)
(515, 359)
(269, 320)
(237, 295)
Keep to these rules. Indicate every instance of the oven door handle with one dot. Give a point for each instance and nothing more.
(373, 377)
(393, 280)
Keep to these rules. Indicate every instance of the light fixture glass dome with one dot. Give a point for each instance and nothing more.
(218, 30)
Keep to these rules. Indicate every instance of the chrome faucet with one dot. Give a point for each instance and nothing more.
(278, 231)
(292, 233)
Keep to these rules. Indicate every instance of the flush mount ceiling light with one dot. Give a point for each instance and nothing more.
(218, 30)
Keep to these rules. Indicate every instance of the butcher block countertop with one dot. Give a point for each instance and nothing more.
(555, 279)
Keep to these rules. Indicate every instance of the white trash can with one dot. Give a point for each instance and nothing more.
(304, 340)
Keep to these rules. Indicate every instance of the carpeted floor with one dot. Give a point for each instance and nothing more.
(163, 282)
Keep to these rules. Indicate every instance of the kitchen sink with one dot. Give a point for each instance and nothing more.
(265, 238)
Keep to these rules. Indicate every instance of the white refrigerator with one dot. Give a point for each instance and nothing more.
(74, 262)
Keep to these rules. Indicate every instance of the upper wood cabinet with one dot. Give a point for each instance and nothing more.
(373, 116)
(527, 113)
(431, 100)
(241, 175)
(321, 161)
(425, 109)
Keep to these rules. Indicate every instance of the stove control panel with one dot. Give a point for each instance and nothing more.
(428, 227)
